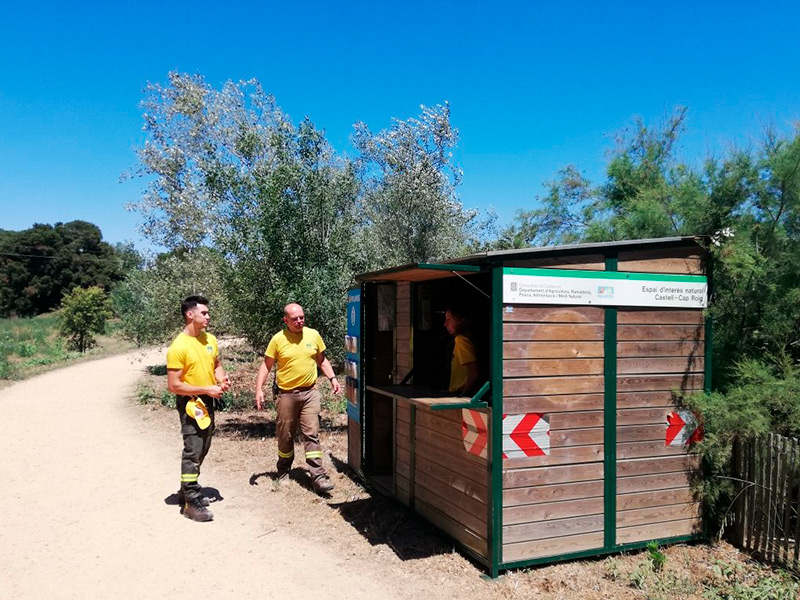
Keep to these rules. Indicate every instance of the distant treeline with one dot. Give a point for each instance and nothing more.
(39, 265)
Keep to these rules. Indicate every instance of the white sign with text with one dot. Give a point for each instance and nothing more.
(623, 289)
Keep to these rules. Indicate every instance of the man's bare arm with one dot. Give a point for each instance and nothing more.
(261, 379)
(327, 370)
(181, 388)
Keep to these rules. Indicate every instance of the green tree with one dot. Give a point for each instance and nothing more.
(39, 264)
(232, 171)
(147, 301)
(84, 312)
(410, 211)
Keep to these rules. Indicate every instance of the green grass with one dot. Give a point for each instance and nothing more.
(31, 346)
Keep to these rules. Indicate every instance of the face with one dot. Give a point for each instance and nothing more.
(198, 316)
(452, 323)
(295, 318)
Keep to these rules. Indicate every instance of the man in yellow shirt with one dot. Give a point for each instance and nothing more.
(196, 377)
(298, 351)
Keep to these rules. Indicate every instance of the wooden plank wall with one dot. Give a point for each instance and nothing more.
(553, 364)
(403, 362)
(402, 465)
(450, 484)
(658, 351)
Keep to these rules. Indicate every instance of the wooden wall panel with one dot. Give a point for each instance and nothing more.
(545, 386)
(354, 444)
(524, 313)
(656, 531)
(551, 367)
(584, 262)
(550, 349)
(558, 332)
(658, 350)
(649, 316)
(552, 547)
(639, 333)
(528, 513)
(452, 527)
(558, 456)
(552, 528)
(553, 364)
(523, 478)
(678, 261)
(654, 499)
(562, 403)
(450, 484)
(403, 348)
(552, 493)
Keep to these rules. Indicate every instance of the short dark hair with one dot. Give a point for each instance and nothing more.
(459, 310)
(190, 302)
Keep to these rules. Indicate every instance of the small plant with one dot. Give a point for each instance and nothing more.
(157, 370)
(167, 399)
(612, 569)
(657, 558)
(733, 581)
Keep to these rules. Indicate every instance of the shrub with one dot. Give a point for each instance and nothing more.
(84, 313)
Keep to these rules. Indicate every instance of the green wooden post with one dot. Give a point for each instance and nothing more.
(610, 419)
(495, 529)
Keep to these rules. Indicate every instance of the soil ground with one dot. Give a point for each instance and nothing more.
(89, 510)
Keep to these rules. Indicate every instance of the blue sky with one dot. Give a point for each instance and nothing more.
(533, 86)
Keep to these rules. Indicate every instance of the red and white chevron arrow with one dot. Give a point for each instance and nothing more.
(474, 432)
(526, 435)
(683, 428)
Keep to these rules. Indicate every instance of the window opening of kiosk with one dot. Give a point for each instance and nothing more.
(433, 344)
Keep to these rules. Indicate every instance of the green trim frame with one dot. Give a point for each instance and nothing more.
(495, 463)
(709, 333)
(610, 419)
(446, 267)
(474, 402)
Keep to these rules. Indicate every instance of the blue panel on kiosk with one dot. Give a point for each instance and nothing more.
(352, 346)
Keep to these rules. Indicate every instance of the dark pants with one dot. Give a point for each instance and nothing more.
(299, 407)
(196, 443)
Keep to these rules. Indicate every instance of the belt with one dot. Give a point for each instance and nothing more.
(297, 390)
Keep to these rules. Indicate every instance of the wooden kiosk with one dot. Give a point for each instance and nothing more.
(576, 445)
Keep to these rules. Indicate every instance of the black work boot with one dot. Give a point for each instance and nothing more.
(197, 512)
(203, 500)
(323, 485)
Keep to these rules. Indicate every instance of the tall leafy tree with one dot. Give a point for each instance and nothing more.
(229, 169)
(410, 208)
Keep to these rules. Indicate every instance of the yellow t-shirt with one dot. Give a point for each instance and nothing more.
(295, 354)
(463, 353)
(195, 357)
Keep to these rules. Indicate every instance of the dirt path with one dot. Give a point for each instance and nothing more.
(83, 511)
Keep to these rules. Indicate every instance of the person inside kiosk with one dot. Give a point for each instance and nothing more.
(464, 367)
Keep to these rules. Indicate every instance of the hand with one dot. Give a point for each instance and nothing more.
(225, 384)
(335, 386)
(215, 391)
(259, 399)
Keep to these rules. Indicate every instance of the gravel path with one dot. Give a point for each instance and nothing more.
(85, 486)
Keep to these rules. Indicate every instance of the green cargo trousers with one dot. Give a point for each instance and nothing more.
(301, 406)
(196, 443)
